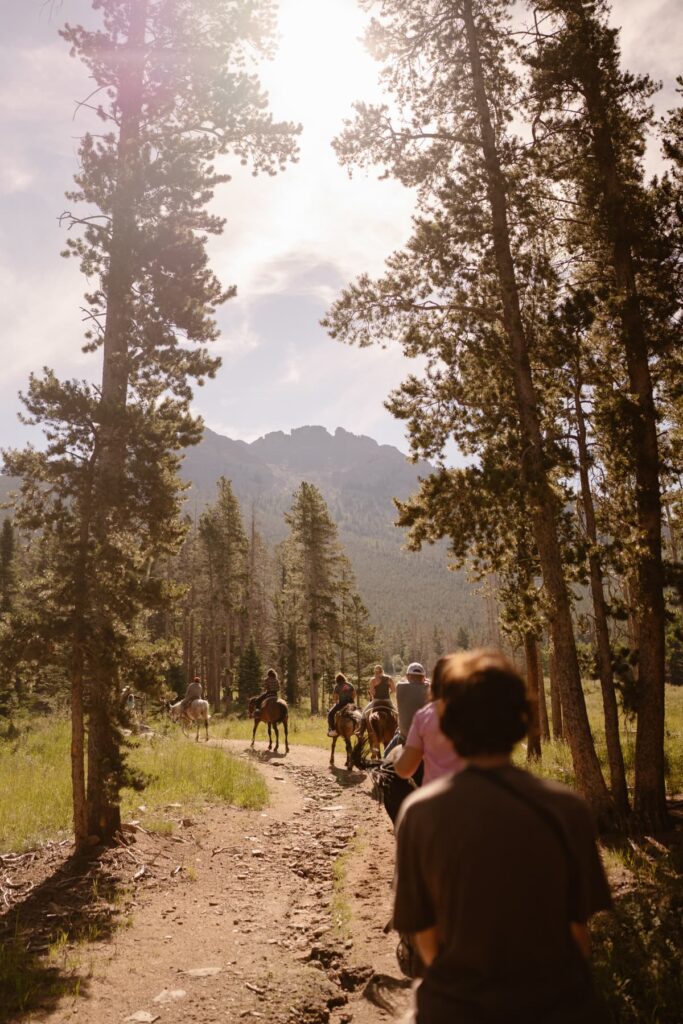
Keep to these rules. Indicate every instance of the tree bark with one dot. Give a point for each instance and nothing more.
(541, 498)
(313, 669)
(555, 700)
(542, 703)
(533, 749)
(650, 794)
(104, 817)
(615, 756)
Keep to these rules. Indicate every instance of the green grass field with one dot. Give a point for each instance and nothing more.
(35, 783)
(556, 761)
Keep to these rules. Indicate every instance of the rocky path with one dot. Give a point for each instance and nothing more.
(275, 915)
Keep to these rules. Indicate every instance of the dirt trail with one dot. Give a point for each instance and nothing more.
(275, 915)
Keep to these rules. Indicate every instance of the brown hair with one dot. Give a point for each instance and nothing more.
(485, 709)
(340, 678)
(271, 674)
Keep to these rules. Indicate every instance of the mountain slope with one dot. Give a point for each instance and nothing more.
(358, 479)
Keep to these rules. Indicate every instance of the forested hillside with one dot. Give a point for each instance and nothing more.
(412, 592)
(411, 596)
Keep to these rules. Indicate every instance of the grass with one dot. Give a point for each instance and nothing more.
(181, 771)
(637, 946)
(35, 785)
(35, 782)
(340, 908)
(556, 762)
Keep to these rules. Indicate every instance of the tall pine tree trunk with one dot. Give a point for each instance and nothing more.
(103, 735)
(541, 499)
(314, 669)
(603, 648)
(649, 795)
(533, 749)
(555, 699)
(542, 703)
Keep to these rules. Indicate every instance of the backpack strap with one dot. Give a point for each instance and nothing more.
(553, 825)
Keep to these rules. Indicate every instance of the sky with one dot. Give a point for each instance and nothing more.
(291, 243)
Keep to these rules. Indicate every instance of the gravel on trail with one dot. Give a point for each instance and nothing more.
(274, 915)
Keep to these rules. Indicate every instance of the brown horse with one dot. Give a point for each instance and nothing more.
(380, 723)
(347, 723)
(273, 711)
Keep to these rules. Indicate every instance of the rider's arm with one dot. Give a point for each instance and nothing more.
(373, 684)
(392, 685)
(408, 763)
(427, 943)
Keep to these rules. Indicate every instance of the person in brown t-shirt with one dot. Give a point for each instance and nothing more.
(498, 871)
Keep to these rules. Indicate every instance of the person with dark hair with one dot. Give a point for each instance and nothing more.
(271, 687)
(498, 872)
(345, 692)
(193, 692)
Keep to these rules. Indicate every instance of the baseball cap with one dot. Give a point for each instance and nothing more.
(415, 669)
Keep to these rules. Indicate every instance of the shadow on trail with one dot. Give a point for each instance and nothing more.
(347, 779)
(265, 755)
(38, 966)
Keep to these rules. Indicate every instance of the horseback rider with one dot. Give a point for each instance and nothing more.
(381, 687)
(271, 689)
(345, 692)
(193, 692)
(412, 693)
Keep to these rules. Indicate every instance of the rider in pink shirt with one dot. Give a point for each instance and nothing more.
(426, 743)
(435, 749)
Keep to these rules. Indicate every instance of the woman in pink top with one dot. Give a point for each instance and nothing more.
(426, 742)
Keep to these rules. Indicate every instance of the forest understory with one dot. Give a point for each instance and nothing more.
(278, 913)
(235, 915)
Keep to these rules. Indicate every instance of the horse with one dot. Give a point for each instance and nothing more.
(197, 711)
(273, 711)
(380, 723)
(346, 723)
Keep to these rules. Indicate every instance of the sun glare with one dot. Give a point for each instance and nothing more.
(321, 66)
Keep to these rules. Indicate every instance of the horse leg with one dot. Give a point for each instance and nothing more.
(196, 736)
(253, 735)
(285, 722)
(374, 740)
(206, 728)
(334, 744)
(270, 737)
(277, 738)
(349, 753)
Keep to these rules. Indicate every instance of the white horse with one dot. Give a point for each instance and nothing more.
(197, 711)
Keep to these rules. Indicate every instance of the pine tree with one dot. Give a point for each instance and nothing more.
(462, 641)
(174, 91)
(7, 566)
(226, 551)
(315, 548)
(457, 289)
(362, 639)
(580, 93)
(250, 674)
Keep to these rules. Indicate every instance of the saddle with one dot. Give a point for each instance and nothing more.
(350, 711)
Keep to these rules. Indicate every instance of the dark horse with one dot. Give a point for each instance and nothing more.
(380, 724)
(273, 711)
(346, 724)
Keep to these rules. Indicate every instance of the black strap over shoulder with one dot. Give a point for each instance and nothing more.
(573, 885)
